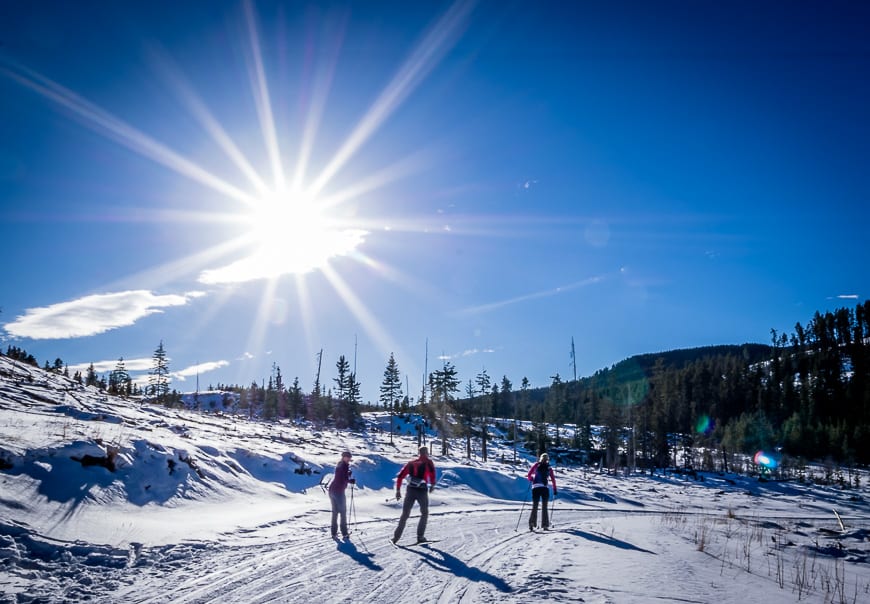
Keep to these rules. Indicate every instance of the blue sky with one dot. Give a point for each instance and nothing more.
(252, 183)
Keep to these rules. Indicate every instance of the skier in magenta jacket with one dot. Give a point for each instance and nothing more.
(538, 475)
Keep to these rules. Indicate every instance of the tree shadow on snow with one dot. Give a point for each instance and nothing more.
(600, 538)
(364, 558)
(442, 561)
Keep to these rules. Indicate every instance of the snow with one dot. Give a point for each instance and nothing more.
(110, 500)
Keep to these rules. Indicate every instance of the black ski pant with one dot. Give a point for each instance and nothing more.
(414, 495)
(540, 494)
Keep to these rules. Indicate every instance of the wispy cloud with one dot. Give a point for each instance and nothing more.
(473, 310)
(146, 364)
(198, 369)
(473, 351)
(142, 364)
(92, 315)
(465, 353)
(848, 296)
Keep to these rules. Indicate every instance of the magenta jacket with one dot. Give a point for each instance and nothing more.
(538, 481)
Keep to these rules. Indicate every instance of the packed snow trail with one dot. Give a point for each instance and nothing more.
(477, 562)
(479, 558)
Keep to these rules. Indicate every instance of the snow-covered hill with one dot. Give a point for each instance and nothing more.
(110, 500)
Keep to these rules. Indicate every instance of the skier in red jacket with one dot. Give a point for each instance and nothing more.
(420, 473)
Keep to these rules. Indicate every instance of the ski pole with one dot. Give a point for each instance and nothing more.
(552, 508)
(352, 509)
(324, 486)
(353, 518)
(521, 510)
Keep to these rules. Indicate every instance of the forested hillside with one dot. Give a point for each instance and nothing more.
(806, 395)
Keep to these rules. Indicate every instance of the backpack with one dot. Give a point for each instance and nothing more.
(542, 474)
(417, 474)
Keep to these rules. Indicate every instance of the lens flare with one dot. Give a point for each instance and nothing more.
(764, 460)
(704, 425)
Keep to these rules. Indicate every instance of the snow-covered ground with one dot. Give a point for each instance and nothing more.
(199, 507)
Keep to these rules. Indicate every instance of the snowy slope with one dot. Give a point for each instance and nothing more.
(108, 500)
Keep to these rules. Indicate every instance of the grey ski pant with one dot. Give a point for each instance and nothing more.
(339, 509)
(414, 495)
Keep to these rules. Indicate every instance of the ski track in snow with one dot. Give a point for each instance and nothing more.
(482, 559)
(487, 564)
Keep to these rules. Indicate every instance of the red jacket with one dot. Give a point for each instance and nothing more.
(420, 470)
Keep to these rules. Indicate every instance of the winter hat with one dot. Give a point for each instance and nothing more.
(544, 457)
(346, 454)
(423, 451)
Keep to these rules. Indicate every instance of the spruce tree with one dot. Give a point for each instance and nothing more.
(119, 379)
(443, 384)
(391, 390)
(159, 375)
(484, 406)
(343, 387)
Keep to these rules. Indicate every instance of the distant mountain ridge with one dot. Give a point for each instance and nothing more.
(640, 366)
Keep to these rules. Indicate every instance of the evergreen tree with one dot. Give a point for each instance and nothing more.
(443, 384)
(484, 407)
(524, 400)
(504, 406)
(391, 390)
(254, 399)
(281, 391)
(466, 410)
(556, 401)
(119, 379)
(353, 401)
(295, 399)
(343, 387)
(91, 376)
(270, 400)
(159, 375)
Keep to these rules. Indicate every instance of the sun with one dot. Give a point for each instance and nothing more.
(288, 233)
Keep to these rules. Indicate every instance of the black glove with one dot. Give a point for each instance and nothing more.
(398, 494)
(431, 488)
(352, 481)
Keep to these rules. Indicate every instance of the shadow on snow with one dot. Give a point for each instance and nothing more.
(348, 548)
(604, 539)
(444, 562)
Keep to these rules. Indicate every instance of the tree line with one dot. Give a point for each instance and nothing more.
(806, 394)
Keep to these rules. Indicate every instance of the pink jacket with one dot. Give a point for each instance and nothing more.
(541, 481)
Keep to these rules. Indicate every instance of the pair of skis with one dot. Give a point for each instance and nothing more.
(424, 542)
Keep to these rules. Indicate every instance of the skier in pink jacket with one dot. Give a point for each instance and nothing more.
(538, 475)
